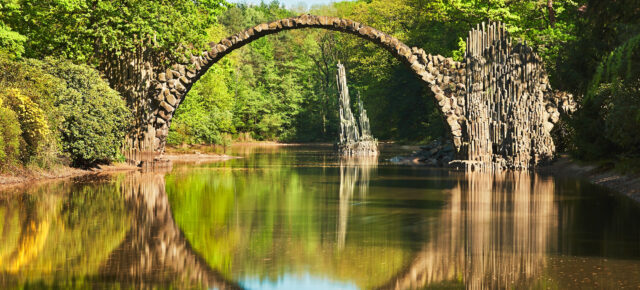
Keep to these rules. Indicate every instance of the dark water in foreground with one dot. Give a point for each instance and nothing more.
(299, 218)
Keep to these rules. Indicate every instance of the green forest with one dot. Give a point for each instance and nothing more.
(58, 107)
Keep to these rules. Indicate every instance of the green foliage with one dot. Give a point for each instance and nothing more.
(94, 117)
(33, 123)
(11, 42)
(60, 109)
(618, 66)
(206, 113)
(601, 65)
(259, 89)
(30, 93)
(607, 124)
(85, 30)
(10, 137)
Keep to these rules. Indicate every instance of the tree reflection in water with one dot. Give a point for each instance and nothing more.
(495, 232)
(354, 171)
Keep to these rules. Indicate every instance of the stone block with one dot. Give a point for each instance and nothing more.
(181, 88)
(446, 106)
(324, 20)
(167, 107)
(160, 97)
(163, 114)
(171, 100)
(415, 66)
(428, 78)
(547, 126)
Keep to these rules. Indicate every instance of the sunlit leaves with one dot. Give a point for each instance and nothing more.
(83, 29)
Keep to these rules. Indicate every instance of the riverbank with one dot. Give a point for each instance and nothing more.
(24, 176)
(627, 184)
(28, 176)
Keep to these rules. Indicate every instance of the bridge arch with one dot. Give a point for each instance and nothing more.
(169, 88)
(498, 103)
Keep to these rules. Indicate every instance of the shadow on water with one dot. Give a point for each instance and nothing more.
(301, 217)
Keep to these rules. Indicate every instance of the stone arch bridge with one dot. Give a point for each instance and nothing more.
(497, 103)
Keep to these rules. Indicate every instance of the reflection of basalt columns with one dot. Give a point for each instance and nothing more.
(353, 171)
(155, 249)
(494, 233)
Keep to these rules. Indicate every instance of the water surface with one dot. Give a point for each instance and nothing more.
(302, 218)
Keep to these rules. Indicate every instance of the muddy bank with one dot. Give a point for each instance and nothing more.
(627, 184)
(23, 176)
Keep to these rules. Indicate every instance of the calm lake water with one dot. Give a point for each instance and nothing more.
(301, 218)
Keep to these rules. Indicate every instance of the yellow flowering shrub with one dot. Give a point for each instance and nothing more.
(10, 136)
(33, 122)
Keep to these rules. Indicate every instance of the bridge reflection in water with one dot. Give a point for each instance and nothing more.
(155, 249)
(495, 232)
(229, 227)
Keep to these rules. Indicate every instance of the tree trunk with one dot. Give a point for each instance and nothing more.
(552, 13)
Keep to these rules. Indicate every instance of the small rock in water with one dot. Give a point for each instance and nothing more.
(437, 154)
(396, 159)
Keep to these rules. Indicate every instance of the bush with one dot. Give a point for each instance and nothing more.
(10, 136)
(94, 116)
(33, 123)
(29, 93)
(11, 42)
(606, 126)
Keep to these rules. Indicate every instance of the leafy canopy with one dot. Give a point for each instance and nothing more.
(83, 30)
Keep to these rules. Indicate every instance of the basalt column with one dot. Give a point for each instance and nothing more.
(510, 107)
(354, 141)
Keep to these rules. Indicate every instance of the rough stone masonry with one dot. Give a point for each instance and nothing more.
(497, 102)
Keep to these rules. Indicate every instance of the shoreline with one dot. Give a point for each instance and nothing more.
(623, 184)
(27, 177)
(30, 177)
